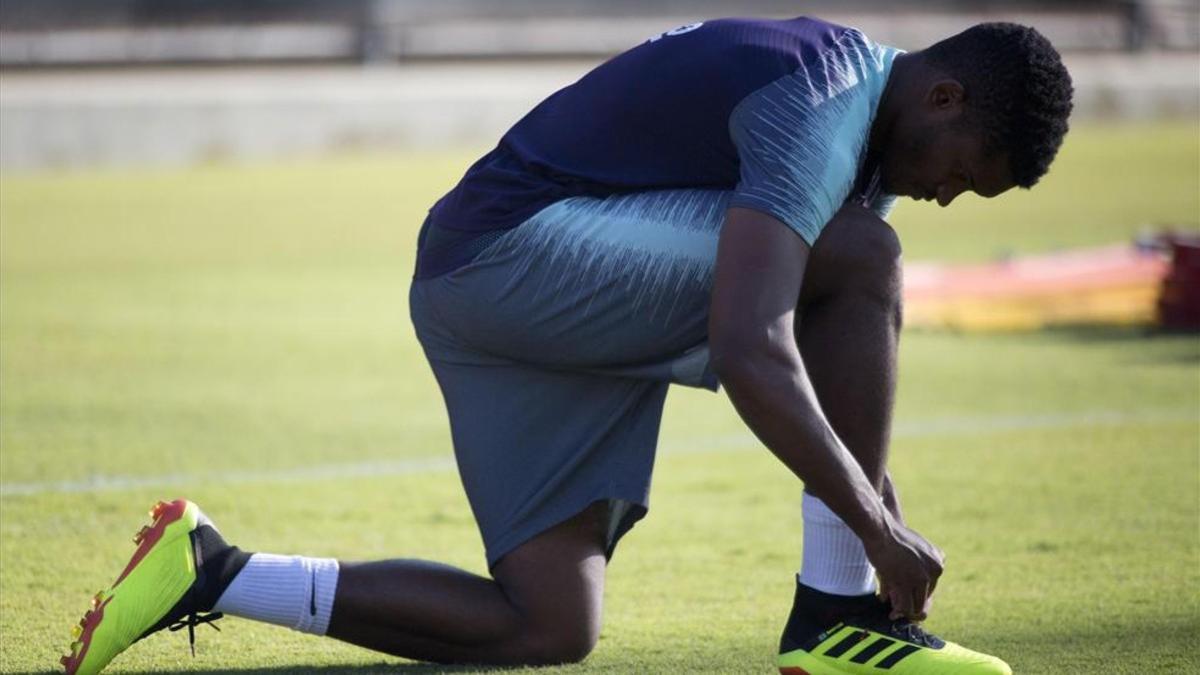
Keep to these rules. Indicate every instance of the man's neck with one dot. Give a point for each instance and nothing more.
(894, 92)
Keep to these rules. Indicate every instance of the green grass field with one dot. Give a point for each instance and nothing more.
(239, 335)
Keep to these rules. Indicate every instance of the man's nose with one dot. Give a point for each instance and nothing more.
(947, 193)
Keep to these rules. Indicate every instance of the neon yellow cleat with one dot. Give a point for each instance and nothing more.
(898, 647)
(159, 588)
(852, 635)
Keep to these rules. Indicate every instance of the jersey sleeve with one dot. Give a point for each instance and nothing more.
(800, 138)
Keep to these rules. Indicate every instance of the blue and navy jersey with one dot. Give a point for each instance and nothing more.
(778, 112)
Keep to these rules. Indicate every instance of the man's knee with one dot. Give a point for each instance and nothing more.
(558, 629)
(857, 251)
(563, 643)
(556, 582)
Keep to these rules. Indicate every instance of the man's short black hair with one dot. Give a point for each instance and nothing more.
(1016, 88)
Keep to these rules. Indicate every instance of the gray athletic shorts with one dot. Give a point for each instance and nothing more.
(554, 349)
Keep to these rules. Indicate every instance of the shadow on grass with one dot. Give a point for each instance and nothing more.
(1149, 642)
(397, 668)
(1133, 645)
(358, 669)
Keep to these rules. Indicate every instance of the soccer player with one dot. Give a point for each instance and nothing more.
(705, 208)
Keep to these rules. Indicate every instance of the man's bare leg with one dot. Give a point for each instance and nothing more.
(848, 324)
(544, 605)
(848, 330)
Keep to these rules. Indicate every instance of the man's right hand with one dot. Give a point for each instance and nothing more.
(909, 567)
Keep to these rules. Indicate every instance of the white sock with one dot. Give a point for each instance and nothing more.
(834, 558)
(290, 591)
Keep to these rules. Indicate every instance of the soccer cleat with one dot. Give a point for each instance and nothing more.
(903, 648)
(869, 643)
(162, 586)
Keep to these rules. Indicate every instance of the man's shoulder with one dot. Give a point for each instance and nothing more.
(782, 32)
(750, 40)
(761, 51)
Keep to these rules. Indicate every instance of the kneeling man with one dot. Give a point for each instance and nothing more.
(706, 208)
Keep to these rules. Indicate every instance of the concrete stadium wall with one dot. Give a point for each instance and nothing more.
(180, 116)
(37, 33)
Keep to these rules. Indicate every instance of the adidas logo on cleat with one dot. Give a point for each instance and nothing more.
(870, 651)
(846, 649)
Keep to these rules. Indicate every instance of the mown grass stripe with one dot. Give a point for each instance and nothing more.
(933, 427)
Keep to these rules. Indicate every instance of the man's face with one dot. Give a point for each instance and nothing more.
(935, 155)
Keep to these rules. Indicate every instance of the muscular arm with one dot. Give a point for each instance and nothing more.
(760, 269)
(891, 499)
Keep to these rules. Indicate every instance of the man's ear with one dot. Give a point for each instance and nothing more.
(946, 96)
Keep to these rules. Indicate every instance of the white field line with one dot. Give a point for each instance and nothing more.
(929, 428)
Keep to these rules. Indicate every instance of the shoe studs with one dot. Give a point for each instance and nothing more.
(69, 660)
(156, 512)
(157, 509)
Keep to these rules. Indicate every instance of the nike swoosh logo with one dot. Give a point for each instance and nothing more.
(312, 598)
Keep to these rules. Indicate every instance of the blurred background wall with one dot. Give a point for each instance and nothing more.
(119, 82)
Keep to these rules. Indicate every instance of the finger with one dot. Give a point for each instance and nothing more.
(902, 604)
(935, 572)
(918, 597)
(893, 599)
(921, 611)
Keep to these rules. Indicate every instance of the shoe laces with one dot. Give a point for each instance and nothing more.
(912, 632)
(192, 620)
(904, 629)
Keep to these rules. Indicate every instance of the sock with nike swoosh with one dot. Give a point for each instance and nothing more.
(291, 591)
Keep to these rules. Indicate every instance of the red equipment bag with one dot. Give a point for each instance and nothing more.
(1179, 302)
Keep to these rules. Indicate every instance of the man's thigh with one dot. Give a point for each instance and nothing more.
(591, 283)
(534, 446)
